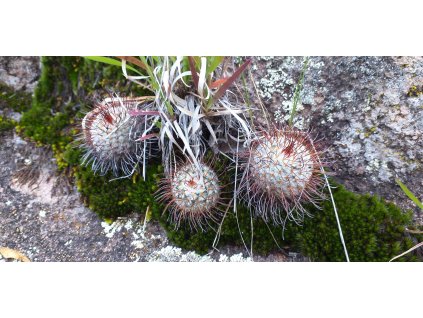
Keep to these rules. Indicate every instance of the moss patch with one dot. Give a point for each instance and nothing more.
(66, 88)
(17, 101)
(373, 229)
(11, 100)
(6, 124)
(112, 199)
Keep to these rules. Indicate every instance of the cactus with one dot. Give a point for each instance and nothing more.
(282, 172)
(113, 138)
(192, 194)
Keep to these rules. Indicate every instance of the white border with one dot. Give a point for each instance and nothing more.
(210, 290)
(218, 27)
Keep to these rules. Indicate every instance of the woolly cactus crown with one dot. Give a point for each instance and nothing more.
(192, 195)
(283, 171)
(112, 137)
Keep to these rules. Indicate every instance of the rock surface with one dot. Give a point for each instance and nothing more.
(367, 110)
(20, 72)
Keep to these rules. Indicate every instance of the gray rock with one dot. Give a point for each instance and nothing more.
(368, 110)
(20, 72)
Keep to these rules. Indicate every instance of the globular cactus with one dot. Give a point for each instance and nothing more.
(112, 136)
(282, 173)
(192, 194)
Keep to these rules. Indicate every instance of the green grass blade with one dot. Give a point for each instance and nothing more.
(110, 61)
(154, 84)
(213, 62)
(409, 194)
(297, 92)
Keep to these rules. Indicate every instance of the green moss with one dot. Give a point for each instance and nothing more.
(201, 242)
(11, 100)
(6, 124)
(373, 230)
(112, 199)
(62, 91)
(17, 101)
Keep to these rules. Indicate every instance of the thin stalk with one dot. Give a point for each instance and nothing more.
(266, 116)
(334, 207)
(336, 214)
(297, 92)
(247, 100)
(408, 251)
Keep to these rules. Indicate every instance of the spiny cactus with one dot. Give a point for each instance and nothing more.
(282, 172)
(113, 138)
(192, 111)
(192, 195)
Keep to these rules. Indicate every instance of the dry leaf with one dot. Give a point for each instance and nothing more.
(9, 253)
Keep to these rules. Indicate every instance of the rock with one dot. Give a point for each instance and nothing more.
(368, 110)
(20, 72)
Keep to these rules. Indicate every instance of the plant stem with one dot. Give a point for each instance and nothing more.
(297, 92)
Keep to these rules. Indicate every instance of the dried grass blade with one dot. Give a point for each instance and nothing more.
(10, 253)
(230, 80)
(133, 60)
(408, 251)
(193, 71)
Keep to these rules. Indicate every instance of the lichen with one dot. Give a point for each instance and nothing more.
(415, 91)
